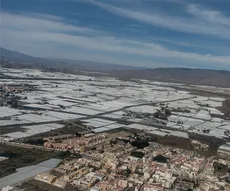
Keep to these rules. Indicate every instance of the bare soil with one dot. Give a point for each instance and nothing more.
(226, 107)
(177, 142)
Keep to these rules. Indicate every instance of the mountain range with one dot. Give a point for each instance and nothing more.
(60, 62)
(181, 75)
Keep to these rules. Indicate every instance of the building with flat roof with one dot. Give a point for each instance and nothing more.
(59, 182)
(45, 177)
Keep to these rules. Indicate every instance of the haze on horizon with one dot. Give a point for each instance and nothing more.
(149, 33)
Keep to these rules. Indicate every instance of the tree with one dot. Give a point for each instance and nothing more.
(14, 104)
(167, 112)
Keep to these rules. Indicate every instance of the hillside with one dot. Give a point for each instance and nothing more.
(182, 75)
(58, 63)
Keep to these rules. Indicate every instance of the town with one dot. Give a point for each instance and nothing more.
(136, 135)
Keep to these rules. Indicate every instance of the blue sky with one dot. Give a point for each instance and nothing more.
(148, 33)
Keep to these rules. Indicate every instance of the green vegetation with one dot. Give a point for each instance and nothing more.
(21, 157)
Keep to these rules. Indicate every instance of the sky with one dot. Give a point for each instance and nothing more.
(146, 33)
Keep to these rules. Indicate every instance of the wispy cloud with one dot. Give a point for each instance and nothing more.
(42, 35)
(218, 24)
(206, 15)
(39, 22)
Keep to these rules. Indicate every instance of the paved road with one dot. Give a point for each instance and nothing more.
(193, 147)
(205, 162)
(141, 104)
(27, 146)
(100, 115)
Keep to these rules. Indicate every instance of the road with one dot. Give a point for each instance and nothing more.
(141, 104)
(83, 118)
(27, 146)
(100, 115)
(205, 162)
(193, 147)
